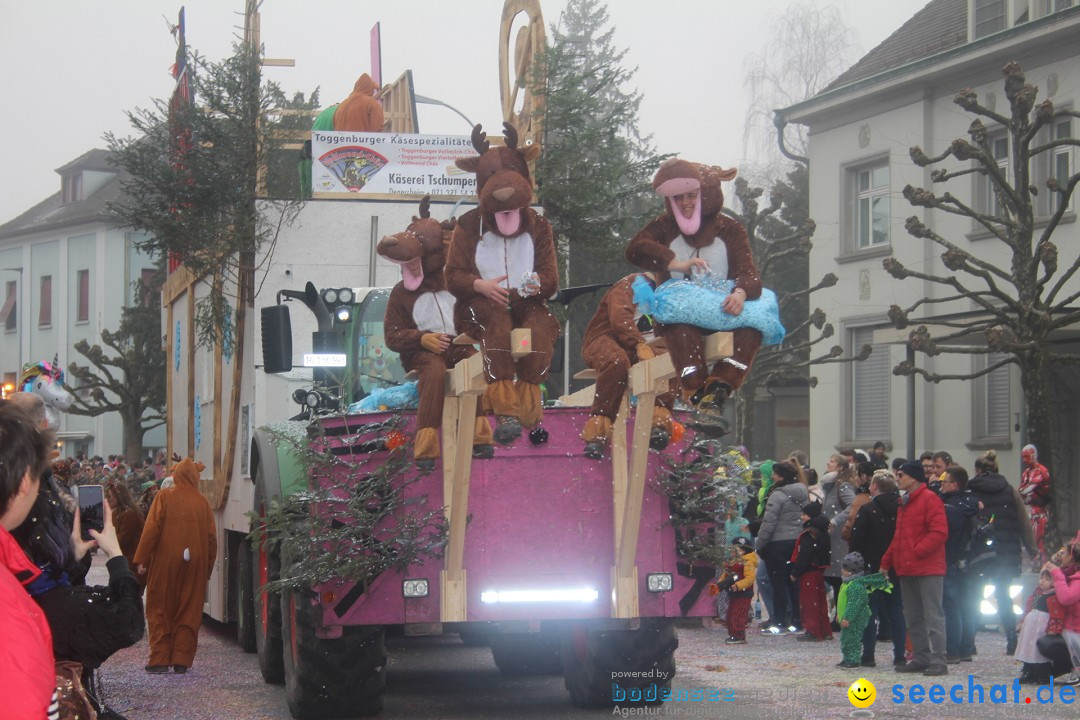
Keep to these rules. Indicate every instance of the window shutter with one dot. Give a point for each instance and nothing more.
(870, 387)
(45, 311)
(83, 311)
(997, 398)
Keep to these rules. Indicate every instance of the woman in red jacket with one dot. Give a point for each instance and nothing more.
(27, 672)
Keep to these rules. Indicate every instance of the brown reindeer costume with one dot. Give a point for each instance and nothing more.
(670, 243)
(419, 327)
(612, 343)
(495, 248)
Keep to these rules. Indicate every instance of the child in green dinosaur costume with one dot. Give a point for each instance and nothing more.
(853, 606)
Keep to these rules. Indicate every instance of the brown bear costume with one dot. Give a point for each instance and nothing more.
(178, 547)
(501, 267)
(612, 343)
(360, 112)
(419, 326)
(694, 233)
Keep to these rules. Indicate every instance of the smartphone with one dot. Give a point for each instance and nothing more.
(91, 509)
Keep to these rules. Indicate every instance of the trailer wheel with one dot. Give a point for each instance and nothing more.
(527, 653)
(245, 602)
(265, 567)
(330, 678)
(593, 660)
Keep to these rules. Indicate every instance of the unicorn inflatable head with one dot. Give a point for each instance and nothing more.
(47, 380)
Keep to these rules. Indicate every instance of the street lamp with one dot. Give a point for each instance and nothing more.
(432, 101)
(18, 320)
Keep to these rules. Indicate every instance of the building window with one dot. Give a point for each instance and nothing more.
(989, 17)
(71, 186)
(1061, 163)
(870, 210)
(870, 384)
(82, 310)
(9, 314)
(986, 196)
(991, 399)
(45, 307)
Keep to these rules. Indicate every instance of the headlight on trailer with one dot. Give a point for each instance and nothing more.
(658, 582)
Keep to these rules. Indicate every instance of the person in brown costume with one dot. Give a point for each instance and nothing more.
(501, 268)
(612, 343)
(128, 520)
(177, 550)
(694, 236)
(360, 112)
(419, 326)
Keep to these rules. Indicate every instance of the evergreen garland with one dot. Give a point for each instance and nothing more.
(706, 486)
(354, 520)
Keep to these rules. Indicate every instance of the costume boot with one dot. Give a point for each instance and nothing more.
(504, 403)
(530, 404)
(596, 433)
(660, 435)
(709, 408)
(426, 448)
(482, 439)
(1010, 642)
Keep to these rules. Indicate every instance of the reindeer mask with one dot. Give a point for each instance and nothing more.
(420, 249)
(503, 184)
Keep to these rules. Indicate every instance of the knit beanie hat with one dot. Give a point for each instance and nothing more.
(786, 471)
(914, 470)
(812, 510)
(853, 562)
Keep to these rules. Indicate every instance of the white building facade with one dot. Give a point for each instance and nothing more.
(861, 129)
(66, 273)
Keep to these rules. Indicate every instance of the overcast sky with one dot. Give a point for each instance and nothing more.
(69, 69)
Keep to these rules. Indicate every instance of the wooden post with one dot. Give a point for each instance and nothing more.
(466, 383)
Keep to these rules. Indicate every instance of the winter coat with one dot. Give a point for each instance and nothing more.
(960, 507)
(129, 527)
(918, 546)
(783, 514)
(873, 530)
(812, 547)
(45, 536)
(1012, 526)
(862, 496)
(836, 507)
(27, 670)
(744, 570)
(91, 623)
(1067, 591)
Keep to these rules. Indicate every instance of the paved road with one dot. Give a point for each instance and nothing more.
(438, 677)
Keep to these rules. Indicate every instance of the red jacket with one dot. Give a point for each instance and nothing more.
(1067, 590)
(27, 670)
(918, 546)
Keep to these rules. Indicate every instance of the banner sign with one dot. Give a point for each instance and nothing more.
(390, 163)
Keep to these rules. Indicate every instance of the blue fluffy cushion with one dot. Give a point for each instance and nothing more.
(699, 302)
(399, 397)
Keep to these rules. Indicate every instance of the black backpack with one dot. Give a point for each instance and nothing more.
(978, 546)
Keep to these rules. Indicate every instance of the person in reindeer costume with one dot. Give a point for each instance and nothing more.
(613, 342)
(501, 268)
(693, 236)
(419, 326)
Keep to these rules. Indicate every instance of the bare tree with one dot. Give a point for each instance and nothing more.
(810, 46)
(779, 235)
(1021, 304)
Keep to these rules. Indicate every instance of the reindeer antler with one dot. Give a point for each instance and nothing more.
(479, 140)
(425, 207)
(510, 133)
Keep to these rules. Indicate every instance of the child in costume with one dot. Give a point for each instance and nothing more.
(808, 563)
(738, 581)
(853, 608)
(1044, 616)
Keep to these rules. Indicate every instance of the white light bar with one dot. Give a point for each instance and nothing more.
(324, 359)
(583, 595)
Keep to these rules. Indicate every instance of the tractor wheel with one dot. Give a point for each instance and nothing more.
(265, 567)
(593, 660)
(330, 678)
(527, 653)
(244, 578)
